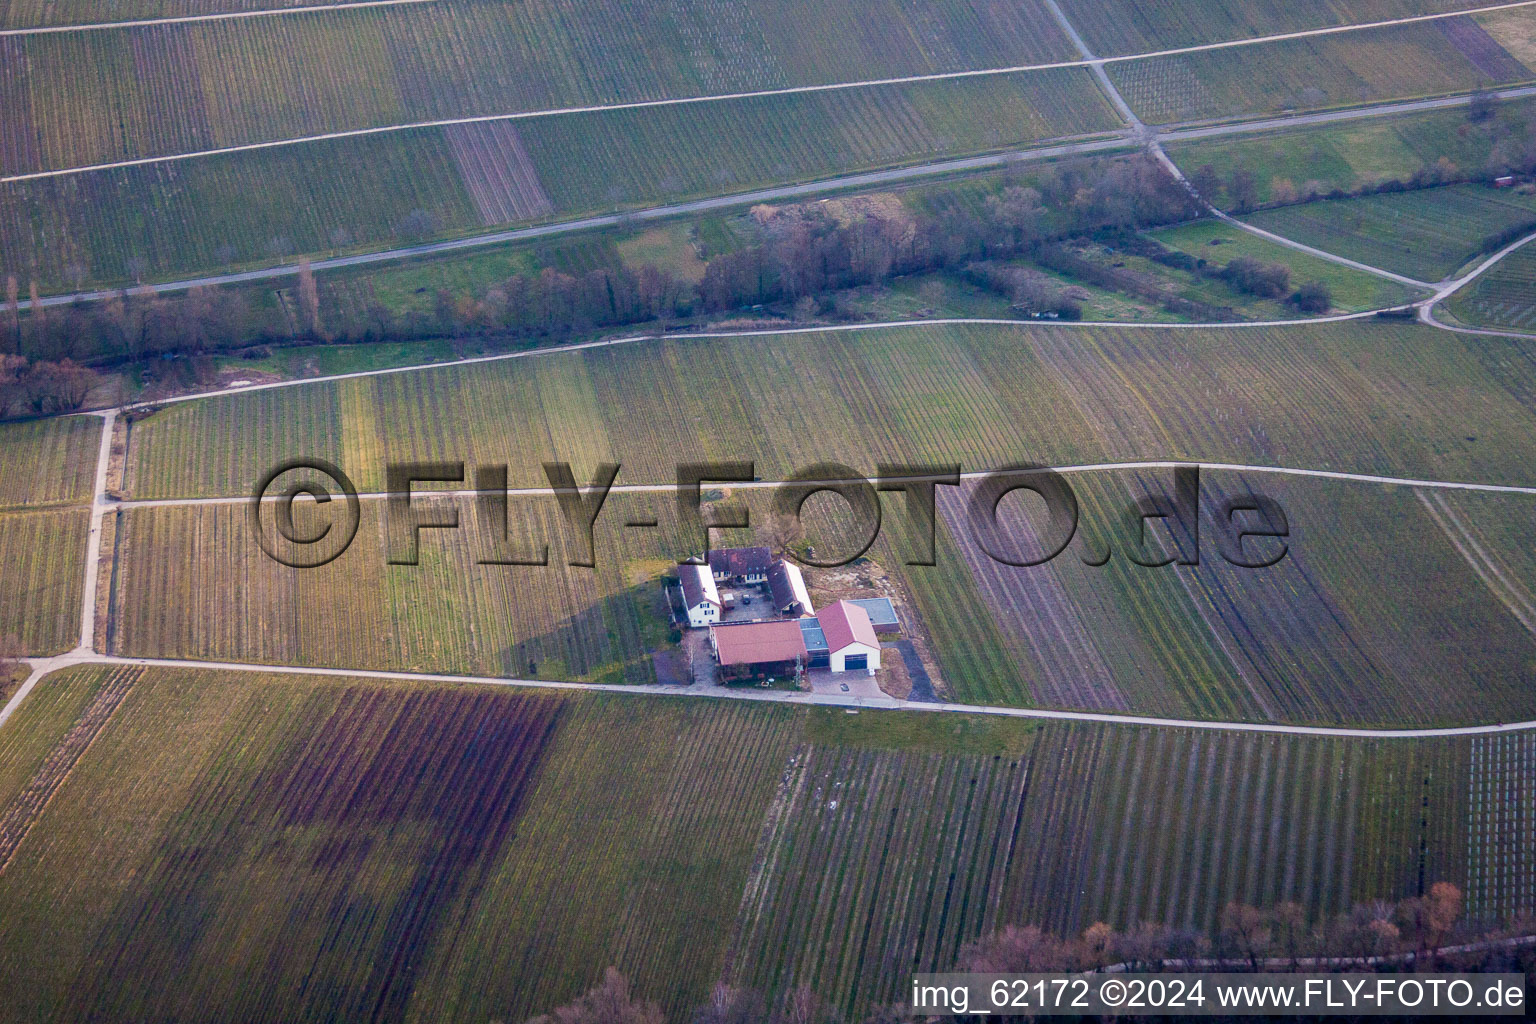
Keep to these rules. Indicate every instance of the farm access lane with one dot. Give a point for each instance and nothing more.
(184, 19)
(1154, 145)
(778, 193)
(1451, 286)
(782, 697)
(130, 504)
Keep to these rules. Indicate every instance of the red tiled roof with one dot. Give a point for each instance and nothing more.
(759, 643)
(740, 561)
(845, 624)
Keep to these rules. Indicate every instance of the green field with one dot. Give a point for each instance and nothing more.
(1328, 636)
(1124, 26)
(42, 561)
(258, 207)
(1219, 244)
(1370, 397)
(1382, 612)
(1504, 297)
(92, 97)
(1369, 66)
(686, 842)
(1359, 155)
(1426, 234)
(49, 461)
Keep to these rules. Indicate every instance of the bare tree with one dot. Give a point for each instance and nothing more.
(803, 1006)
(1428, 919)
(59, 387)
(11, 653)
(1015, 950)
(730, 1005)
(609, 1002)
(1246, 932)
(787, 533)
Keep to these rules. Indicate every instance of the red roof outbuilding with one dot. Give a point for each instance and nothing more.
(759, 643)
(844, 624)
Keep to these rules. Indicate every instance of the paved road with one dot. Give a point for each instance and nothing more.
(1100, 467)
(1291, 243)
(780, 193)
(796, 697)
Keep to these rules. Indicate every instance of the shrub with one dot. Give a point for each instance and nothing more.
(1313, 297)
(1266, 280)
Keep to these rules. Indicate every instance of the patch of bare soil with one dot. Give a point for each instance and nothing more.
(117, 458)
(243, 376)
(106, 579)
(893, 677)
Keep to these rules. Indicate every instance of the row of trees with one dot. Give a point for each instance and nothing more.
(1407, 935)
(43, 388)
(1509, 132)
(804, 254)
(1277, 938)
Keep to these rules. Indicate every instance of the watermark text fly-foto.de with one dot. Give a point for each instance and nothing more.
(1040, 523)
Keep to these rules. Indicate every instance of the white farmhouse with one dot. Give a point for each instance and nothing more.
(851, 638)
(699, 595)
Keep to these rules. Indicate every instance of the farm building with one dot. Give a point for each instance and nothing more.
(700, 598)
(881, 612)
(817, 653)
(741, 565)
(851, 642)
(787, 584)
(758, 650)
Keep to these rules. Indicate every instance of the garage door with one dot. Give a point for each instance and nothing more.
(856, 662)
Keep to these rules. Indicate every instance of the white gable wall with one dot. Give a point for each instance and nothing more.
(840, 657)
